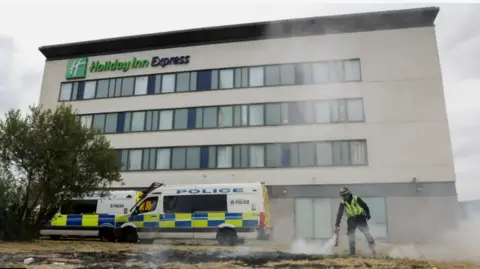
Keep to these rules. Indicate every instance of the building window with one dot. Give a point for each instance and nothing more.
(241, 77)
(212, 157)
(135, 159)
(336, 73)
(256, 115)
(355, 110)
(320, 73)
(256, 76)
(270, 114)
(193, 158)
(118, 87)
(210, 117)
(287, 74)
(168, 83)
(274, 155)
(273, 114)
(111, 88)
(226, 78)
(89, 90)
(352, 70)
(341, 153)
(138, 121)
(303, 73)
(306, 154)
(193, 81)
(141, 85)
(240, 156)
(224, 157)
(99, 122)
(272, 75)
(86, 121)
(257, 156)
(111, 123)
(299, 154)
(179, 158)
(163, 159)
(183, 82)
(166, 119)
(358, 153)
(225, 116)
(127, 86)
(322, 111)
(324, 153)
(338, 110)
(66, 92)
(181, 118)
(102, 89)
(214, 79)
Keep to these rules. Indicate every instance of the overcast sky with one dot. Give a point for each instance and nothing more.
(24, 28)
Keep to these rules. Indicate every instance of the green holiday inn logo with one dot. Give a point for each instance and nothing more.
(76, 68)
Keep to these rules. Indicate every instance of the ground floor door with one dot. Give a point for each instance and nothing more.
(378, 221)
(313, 218)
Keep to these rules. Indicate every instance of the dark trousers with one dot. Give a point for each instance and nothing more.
(361, 223)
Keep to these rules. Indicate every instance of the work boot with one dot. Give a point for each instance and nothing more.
(352, 251)
(374, 252)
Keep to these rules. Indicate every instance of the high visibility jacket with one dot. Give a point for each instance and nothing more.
(352, 208)
(146, 206)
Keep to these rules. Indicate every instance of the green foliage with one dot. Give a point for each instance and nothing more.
(47, 157)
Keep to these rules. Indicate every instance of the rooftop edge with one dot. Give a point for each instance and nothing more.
(308, 26)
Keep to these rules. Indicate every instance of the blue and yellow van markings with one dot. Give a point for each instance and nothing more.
(167, 220)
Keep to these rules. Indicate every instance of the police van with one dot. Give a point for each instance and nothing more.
(228, 213)
(79, 216)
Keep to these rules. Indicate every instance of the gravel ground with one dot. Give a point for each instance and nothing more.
(167, 254)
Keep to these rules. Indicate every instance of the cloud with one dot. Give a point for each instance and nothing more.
(19, 82)
(456, 26)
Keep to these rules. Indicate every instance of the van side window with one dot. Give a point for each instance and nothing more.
(148, 205)
(195, 203)
(79, 207)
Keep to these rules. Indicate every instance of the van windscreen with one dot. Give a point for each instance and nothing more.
(195, 203)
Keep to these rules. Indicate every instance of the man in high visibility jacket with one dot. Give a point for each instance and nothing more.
(358, 213)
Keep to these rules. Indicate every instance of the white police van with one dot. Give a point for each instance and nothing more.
(229, 213)
(79, 217)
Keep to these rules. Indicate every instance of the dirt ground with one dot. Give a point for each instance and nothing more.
(175, 254)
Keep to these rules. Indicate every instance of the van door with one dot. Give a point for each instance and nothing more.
(176, 220)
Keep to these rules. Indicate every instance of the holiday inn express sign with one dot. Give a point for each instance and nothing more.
(77, 68)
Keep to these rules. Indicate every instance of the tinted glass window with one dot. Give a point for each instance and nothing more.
(195, 203)
(102, 88)
(127, 86)
(79, 207)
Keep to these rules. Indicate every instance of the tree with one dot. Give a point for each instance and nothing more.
(46, 158)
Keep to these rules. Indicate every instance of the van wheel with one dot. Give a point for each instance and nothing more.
(107, 235)
(55, 237)
(227, 237)
(129, 235)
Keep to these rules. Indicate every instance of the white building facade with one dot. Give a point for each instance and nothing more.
(306, 105)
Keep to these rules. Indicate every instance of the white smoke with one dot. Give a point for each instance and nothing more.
(461, 244)
(313, 248)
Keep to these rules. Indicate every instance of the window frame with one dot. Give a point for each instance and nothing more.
(241, 79)
(292, 164)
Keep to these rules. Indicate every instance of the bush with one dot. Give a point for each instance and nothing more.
(47, 157)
